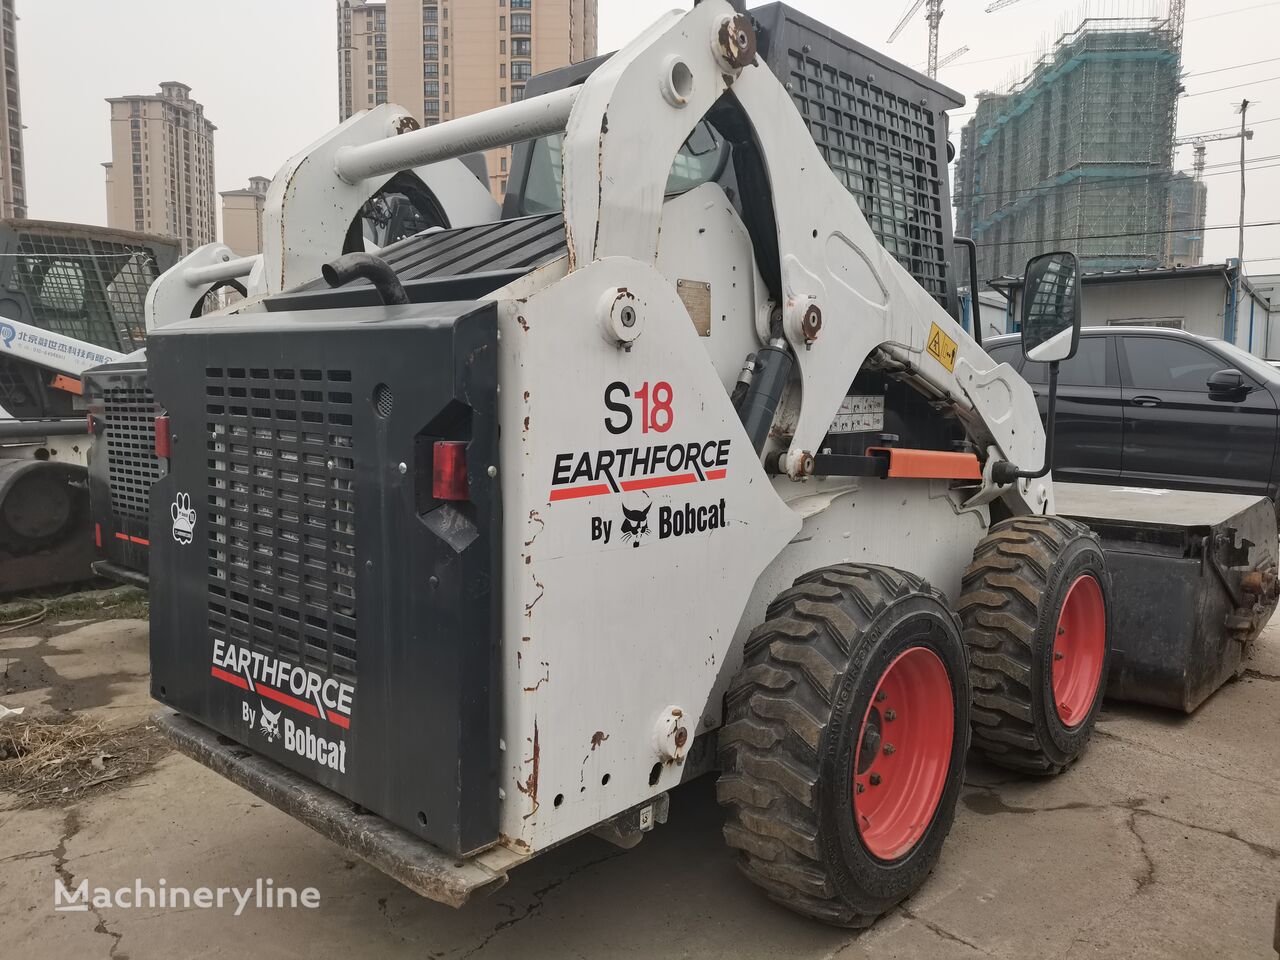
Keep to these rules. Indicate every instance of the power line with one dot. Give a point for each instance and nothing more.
(1238, 66)
(1227, 13)
(1252, 123)
(1117, 182)
(1117, 236)
(1234, 86)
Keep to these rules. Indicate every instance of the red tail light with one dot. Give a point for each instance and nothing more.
(163, 445)
(449, 471)
(89, 422)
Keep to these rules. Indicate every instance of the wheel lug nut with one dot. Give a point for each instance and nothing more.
(889, 749)
(1061, 631)
(1058, 656)
(890, 716)
(875, 779)
(880, 695)
(858, 788)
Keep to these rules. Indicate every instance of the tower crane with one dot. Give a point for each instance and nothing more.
(1198, 142)
(952, 57)
(933, 15)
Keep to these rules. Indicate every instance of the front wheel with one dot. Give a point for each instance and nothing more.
(844, 742)
(1036, 609)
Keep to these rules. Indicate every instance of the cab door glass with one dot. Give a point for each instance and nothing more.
(1159, 364)
(1088, 368)
(1010, 353)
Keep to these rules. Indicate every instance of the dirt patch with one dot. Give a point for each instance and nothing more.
(54, 762)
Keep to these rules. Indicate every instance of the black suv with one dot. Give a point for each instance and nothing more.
(1157, 407)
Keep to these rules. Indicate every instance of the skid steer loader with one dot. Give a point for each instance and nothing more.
(486, 542)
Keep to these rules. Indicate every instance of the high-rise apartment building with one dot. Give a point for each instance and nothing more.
(242, 217)
(160, 178)
(13, 184)
(450, 58)
(362, 56)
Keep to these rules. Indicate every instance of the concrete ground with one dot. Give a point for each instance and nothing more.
(1164, 841)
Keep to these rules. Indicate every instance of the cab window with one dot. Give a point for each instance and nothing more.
(1157, 363)
(701, 159)
(1088, 368)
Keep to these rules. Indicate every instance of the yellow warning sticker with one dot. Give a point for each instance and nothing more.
(942, 348)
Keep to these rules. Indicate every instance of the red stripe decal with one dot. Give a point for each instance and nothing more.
(717, 474)
(300, 705)
(230, 678)
(650, 482)
(122, 536)
(145, 543)
(572, 493)
(337, 719)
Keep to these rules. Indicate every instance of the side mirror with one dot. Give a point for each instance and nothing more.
(1050, 334)
(1051, 307)
(1229, 382)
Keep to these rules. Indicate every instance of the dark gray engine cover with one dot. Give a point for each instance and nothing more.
(310, 599)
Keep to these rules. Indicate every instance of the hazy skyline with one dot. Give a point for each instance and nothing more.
(266, 74)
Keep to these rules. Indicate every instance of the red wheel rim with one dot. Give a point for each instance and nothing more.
(1079, 648)
(903, 753)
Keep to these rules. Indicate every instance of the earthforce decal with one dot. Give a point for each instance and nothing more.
(635, 524)
(297, 739)
(672, 521)
(301, 690)
(590, 473)
(270, 725)
(184, 519)
(633, 527)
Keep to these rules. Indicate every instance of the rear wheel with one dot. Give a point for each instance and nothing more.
(1035, 610)
(844, 742)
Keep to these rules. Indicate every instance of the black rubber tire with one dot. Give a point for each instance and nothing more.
(1012, 594)
(792, 721)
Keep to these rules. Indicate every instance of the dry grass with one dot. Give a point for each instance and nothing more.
(46, 762)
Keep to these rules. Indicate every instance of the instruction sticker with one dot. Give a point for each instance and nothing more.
(859, 415)
(941, 347)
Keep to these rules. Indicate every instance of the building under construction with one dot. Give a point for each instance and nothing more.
(1188, 200)
(1078, 155)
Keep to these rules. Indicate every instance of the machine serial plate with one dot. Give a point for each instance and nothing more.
(859, 415)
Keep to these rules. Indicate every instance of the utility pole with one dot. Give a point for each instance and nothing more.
(1244, 113)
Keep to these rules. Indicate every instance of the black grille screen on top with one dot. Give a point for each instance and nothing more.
(281, 513)
(130, 413)
(883, 149)
(882, 129)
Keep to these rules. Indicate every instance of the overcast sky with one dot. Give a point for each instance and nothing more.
(266, 72)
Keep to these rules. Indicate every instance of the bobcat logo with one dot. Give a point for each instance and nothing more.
(636, 524)
(269, 726)
(184, 519)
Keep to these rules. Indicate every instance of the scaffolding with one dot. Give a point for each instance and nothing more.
(1076, 155)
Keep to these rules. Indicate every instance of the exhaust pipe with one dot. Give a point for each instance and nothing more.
(365, 266)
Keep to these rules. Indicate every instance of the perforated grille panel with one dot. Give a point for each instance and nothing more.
(281, 513)
(130, 415)
(884, 149)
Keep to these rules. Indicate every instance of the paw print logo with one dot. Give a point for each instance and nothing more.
(184, 519)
